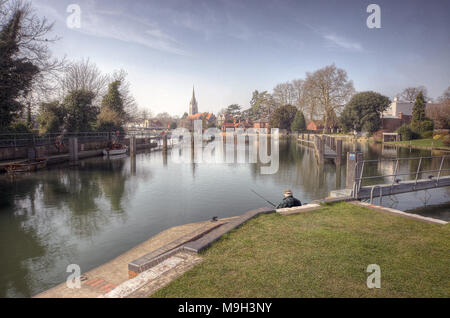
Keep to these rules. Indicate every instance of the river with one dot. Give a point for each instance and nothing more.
(90, 213)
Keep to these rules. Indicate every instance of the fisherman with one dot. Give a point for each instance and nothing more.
(289, 201)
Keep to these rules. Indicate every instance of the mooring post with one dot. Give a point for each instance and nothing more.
(73, 149)
(132, 146)
(338, 152)
(321, 149)
(165, 143)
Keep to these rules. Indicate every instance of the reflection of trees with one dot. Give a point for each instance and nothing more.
(19, 243)
(298, 168)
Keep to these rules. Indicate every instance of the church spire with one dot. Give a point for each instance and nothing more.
(193, 107)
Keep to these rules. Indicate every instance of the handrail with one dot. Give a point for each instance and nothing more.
(359, 178)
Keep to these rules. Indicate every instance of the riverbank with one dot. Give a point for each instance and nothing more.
(426, 144)
(323, 253)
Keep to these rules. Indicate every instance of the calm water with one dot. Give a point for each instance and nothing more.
(91, 213)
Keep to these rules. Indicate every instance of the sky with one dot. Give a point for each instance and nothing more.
(228, 49)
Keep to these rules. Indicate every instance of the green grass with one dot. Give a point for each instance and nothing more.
(323, 254)
(422, 143)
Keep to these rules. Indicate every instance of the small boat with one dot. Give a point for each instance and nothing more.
(117, 149)
(27, 166)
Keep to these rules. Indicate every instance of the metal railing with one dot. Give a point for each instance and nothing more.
(34, 139)
(359, 169)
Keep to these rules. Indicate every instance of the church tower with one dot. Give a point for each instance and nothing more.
(193, 107)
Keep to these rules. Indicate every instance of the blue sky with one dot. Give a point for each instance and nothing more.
(227, 49)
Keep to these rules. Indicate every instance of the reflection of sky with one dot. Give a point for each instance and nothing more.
(89, 214)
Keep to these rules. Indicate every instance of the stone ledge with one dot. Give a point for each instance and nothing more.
(207, 240)
(157, 256)
(300, 209)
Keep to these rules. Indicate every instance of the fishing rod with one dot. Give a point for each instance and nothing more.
(263, 198)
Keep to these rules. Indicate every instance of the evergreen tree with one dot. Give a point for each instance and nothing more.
(363, 112)
(299, 123)
(81, 113)
(283, 117)
(418, 114)
(16, 74)
(112, 114)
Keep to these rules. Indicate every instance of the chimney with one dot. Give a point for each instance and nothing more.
(395, 99)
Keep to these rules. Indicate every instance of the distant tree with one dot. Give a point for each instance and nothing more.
(112, 115)
(440, 113)
(51, 117)
(363, 112)
(299, 94)
(16, 74)
(283, 117)
(419, 111)
(234, 110)
(262, 105)
(173, 125)
(284, 94)
(410, 93)
(164, 118)
(81, 112)
(84, 75)
(185, 115)
(328, 89)
(299, 123)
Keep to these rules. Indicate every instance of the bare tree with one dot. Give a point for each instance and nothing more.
(409, 94)
(284, 94)
(299, 93)
(328, 90)
(84, 75)
(440, 113)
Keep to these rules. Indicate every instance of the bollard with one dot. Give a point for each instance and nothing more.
(165, 143)
(132, 145)
(73, 149)
(338, 152)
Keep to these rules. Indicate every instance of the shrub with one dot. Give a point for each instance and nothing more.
(19, 128)
(427, 135)
(424, 126)
(407, 133)
(446, 140)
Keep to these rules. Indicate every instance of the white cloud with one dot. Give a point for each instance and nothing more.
(341, 42)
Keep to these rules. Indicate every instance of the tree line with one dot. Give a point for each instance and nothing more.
(328, 96)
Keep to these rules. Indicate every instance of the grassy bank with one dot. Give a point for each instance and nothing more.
(323, 254)
(421, 143)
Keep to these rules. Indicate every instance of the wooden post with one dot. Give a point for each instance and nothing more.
(132, 145)
(165, 143)
(338, 152)
(321, 149)
(73, 149)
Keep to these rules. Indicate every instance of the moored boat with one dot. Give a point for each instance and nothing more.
(117, 149)
(27, 166)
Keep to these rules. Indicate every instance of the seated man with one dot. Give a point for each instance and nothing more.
(289, 201)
